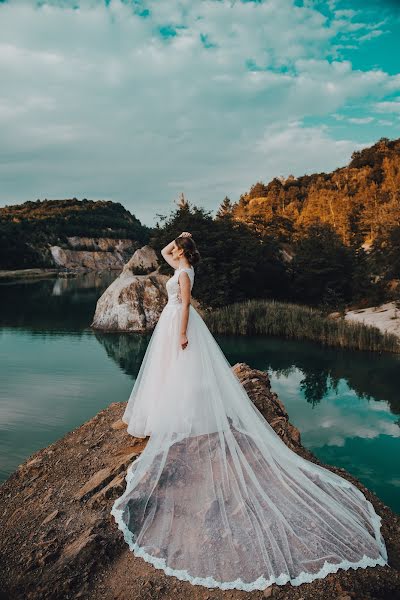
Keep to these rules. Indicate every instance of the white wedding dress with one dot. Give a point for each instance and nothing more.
(217, 498)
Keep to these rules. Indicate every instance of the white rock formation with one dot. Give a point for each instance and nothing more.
(101, 244)
(93, 254)
(131, 302)
(385, 317)
(84, 260)
(134, 302)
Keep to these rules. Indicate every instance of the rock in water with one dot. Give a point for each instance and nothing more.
(134, 301)
(131, 302)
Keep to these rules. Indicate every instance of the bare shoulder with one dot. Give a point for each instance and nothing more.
(184, 276)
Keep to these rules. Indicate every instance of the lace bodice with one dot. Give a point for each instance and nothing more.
(172, 285)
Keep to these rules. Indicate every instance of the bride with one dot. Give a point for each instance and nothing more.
(217, 498)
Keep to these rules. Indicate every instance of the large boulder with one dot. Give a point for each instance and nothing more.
(131, 302)
(135, 299)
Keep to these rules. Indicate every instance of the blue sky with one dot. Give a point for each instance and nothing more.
(138, 101)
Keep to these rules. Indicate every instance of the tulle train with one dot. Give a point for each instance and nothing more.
(217, 498)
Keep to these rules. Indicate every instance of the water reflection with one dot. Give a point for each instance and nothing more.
(63, 303)
(127, 350)
(370, 375)
(322, 370)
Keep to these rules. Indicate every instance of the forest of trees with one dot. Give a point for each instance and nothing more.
(330, 240)
(360, 201)
(235, 263)
(239, 263)
(324, 239)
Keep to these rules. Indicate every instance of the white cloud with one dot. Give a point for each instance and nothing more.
(360, 120)
(371, 35)
(388, 107)
(338, 417)
(305, 149)
(96, 104)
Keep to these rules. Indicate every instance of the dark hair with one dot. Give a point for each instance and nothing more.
(189, 248)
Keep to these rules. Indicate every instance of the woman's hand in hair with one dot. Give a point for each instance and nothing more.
(185, 234)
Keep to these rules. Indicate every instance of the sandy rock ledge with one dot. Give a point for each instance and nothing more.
(386, 317)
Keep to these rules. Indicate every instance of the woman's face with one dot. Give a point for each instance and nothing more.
(176, 252)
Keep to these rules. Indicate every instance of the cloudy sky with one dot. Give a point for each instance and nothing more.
(137, 101)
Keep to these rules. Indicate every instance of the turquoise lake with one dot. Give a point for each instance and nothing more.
(56, 373)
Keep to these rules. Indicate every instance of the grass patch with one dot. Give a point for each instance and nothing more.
(295, 321)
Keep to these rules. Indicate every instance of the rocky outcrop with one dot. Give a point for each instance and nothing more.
(134, 302)
(257, 385)
(143, 261)
(27, 274)
(59, 540)
(93, 254)
(131, 303)
(85, 261)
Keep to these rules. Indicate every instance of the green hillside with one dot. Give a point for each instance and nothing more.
(27, 230)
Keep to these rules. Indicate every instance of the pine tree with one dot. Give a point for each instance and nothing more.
(225, 209)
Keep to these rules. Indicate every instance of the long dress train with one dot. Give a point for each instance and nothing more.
(217, 498)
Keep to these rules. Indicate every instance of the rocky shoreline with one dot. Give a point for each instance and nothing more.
(59, 540)
(36, 273)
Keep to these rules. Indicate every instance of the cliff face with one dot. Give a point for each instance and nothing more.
(59, 540)
(102, 244)
(86, 254)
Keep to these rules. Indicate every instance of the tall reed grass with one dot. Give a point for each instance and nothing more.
(295, 321)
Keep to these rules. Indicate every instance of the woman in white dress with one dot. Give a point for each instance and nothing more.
(217, 498)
